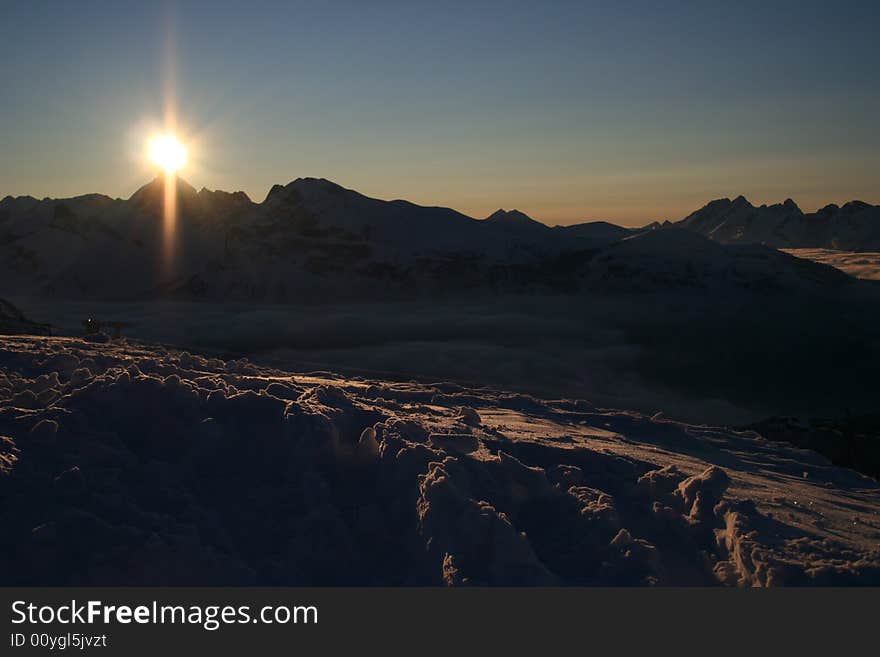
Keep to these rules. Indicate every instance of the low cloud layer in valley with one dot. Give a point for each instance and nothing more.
(860, 264)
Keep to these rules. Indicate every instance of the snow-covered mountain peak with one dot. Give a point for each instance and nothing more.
(154, 191)
(855, 226)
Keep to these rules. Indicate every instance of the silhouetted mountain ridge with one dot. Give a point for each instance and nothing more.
(515, 219)
(853, 227)
(314, 239)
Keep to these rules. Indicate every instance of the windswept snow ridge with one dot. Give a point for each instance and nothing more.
(122, 463)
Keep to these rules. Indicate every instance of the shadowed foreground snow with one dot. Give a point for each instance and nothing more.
(122, 463)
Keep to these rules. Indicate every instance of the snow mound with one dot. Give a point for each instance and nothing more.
(127, 464)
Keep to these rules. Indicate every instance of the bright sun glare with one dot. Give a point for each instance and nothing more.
(167, 152)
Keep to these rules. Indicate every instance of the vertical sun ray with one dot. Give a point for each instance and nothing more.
(169, 223)
(169, 220)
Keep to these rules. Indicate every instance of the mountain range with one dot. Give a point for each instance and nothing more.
(313, 240)
(855, 226)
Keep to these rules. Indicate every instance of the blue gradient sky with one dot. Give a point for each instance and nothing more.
(627, 111)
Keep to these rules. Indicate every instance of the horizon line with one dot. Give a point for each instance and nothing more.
(161, 176)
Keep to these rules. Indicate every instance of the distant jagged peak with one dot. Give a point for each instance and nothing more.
(850, 207)
(92, 196)
(88, 202)
(26, 198)
(513, 218)
(237, 197)
(857, 206)
(853, 227)
(717, 204)
(718, 208)
(320, 183)
(509, 215)
(155, 190)
(306, 187)
(726, 202)
(276, 192)
(788, 206)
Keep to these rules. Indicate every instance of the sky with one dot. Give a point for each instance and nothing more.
(568, 111)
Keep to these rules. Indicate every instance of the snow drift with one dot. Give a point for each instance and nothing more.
(123, 463)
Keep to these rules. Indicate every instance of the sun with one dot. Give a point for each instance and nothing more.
(167, 151)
